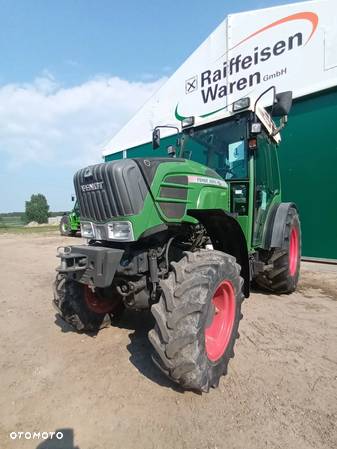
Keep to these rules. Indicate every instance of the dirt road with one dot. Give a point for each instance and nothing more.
(281, 391)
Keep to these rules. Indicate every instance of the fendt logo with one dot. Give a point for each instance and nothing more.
(93, 186)
(214, 84)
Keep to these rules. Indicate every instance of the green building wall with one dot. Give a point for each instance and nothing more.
(145, 150)
(308, 165)
(114, 156)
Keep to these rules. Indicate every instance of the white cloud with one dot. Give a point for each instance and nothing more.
(44, 123)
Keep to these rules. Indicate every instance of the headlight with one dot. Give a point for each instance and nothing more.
(87, 230)
(120, 230)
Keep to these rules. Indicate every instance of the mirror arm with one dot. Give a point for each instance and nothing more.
(156, 128)
(263, 93)
(283, 123)
(167, 126)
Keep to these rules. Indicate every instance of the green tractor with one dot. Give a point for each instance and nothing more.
(70, 223)
(185, 236)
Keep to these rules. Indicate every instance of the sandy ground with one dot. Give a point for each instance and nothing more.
(281, 391)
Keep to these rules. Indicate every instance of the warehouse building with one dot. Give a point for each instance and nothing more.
(292, 47)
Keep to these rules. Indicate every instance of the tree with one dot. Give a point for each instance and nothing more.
(37, 209)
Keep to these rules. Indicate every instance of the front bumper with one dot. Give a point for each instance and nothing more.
(91, 265)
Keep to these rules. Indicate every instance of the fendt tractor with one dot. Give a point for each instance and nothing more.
(185, 236)
(70, 222)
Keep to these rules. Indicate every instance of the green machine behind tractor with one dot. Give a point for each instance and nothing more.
(185, 236)
(70, 222)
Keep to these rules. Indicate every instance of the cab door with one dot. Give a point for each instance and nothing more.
(267, 184)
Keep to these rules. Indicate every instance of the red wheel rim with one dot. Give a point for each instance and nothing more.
(218, 333)
(96, 302)
(293, 251)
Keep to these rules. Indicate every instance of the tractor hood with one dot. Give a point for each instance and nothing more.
(117, 188)
(110, 190)
(146, 193)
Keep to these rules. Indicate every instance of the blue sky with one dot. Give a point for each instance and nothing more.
(73, 72)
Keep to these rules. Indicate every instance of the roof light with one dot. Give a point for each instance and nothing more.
(243, 103)
(187, 121)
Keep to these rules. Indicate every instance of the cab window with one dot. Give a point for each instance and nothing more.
(221, 147)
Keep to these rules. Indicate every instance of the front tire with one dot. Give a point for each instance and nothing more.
(83, 309)
(65, 226)
(197, 319)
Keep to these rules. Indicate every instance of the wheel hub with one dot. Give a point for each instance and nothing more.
(293, 251)
(96, 302)
(218, 333)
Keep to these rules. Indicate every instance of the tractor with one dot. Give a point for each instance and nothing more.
(70, 222)
(186, 236)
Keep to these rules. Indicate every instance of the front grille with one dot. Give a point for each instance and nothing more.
(108, 190)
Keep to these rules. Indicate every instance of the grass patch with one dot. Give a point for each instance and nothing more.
(11, 221)
(32, 230)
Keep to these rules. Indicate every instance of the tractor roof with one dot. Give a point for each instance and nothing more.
(260, 111)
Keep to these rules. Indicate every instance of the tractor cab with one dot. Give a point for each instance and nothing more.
(241, 147)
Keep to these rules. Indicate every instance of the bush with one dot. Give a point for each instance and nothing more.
(37, 209)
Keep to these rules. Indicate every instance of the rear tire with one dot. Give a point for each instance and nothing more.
(65, 226)
(284, 273)
(83, 309)
(197, 319)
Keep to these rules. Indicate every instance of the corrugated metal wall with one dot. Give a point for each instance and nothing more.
(308, 163)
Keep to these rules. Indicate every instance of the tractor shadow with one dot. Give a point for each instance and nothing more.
(63, 325)
(65, 442)
(140, 348)
(254, 288)
(66, 327)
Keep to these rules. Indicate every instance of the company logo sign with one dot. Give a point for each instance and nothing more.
(213, 83)
(191, 85)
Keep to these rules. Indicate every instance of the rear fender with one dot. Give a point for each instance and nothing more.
(276, 226)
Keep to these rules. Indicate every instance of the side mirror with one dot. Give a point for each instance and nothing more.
(155, 139)
(72, 198)
(283, 104)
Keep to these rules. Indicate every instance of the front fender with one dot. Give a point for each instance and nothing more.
(227, 236)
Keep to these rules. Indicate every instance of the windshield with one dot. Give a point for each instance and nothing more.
(220, 147)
